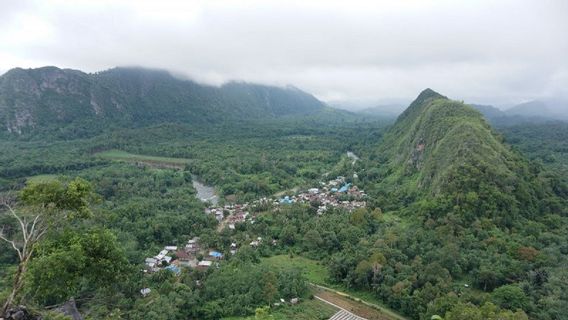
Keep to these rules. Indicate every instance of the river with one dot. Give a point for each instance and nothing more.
(205, 192)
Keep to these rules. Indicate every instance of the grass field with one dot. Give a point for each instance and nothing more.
(130, 157)
(311, 309)
(313, 270)
(41, 178)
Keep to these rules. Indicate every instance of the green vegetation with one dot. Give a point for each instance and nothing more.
(544, 143)
(311, 309)
(129, 157)
(458, 224)
(70, 103)
(467, 205)
(44, 208)
(40, 178)
(313, 270)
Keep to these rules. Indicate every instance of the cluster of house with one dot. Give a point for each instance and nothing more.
(231, 214)
(329, 196)
(173, 258)
(336, 193)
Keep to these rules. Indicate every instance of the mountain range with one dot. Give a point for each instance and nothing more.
(535, 111)
(50, 97)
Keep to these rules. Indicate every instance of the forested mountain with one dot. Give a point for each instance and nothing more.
(464, 206)
(53, 98)
(440, 147)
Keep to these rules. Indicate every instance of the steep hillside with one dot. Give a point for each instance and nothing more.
(467, 223)
(444, 150)
(50, 97)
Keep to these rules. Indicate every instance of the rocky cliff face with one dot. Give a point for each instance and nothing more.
(40, 97)
(50, 97)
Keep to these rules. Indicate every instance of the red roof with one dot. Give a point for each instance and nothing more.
(182, 255)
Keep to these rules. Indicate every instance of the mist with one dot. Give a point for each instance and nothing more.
(357, 54)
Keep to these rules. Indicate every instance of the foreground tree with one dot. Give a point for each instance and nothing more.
(39, 208)
(76, 263)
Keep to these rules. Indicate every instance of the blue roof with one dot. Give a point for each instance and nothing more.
(216, 254)
(286, 200)
(345, 187)
(173, 268)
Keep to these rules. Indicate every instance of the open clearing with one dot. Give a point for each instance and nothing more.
(311, 309)
(153, 161)
(40, 178)
(317, 274)
(314, 271)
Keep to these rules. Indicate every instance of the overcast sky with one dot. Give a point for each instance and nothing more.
(498, 52)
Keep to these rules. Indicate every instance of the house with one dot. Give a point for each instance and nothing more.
(161, 255)
(215, 254)
(171, 248)
(151, 264)
(185, 260)
(173, 268)
(192, 245)
(256, 242)
(204, 265)
(345, 187)
(145, 291)
(286, 200)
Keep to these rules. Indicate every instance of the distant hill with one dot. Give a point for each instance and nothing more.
(490, 112)
(384, 111)
(52, 98)
(528, 113)
(550, 109)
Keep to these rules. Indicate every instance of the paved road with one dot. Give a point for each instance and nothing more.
(361, 307)
(342, 314)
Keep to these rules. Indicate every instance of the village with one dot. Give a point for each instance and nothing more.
(336, 193)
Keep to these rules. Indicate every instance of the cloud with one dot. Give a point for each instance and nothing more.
(482, 51)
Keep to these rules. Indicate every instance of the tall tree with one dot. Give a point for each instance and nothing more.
(40, 207)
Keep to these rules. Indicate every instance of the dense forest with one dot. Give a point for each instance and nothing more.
(463, 220)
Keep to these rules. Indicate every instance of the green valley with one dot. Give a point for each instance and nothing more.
(434, 215)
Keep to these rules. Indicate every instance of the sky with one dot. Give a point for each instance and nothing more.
(357, 53)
